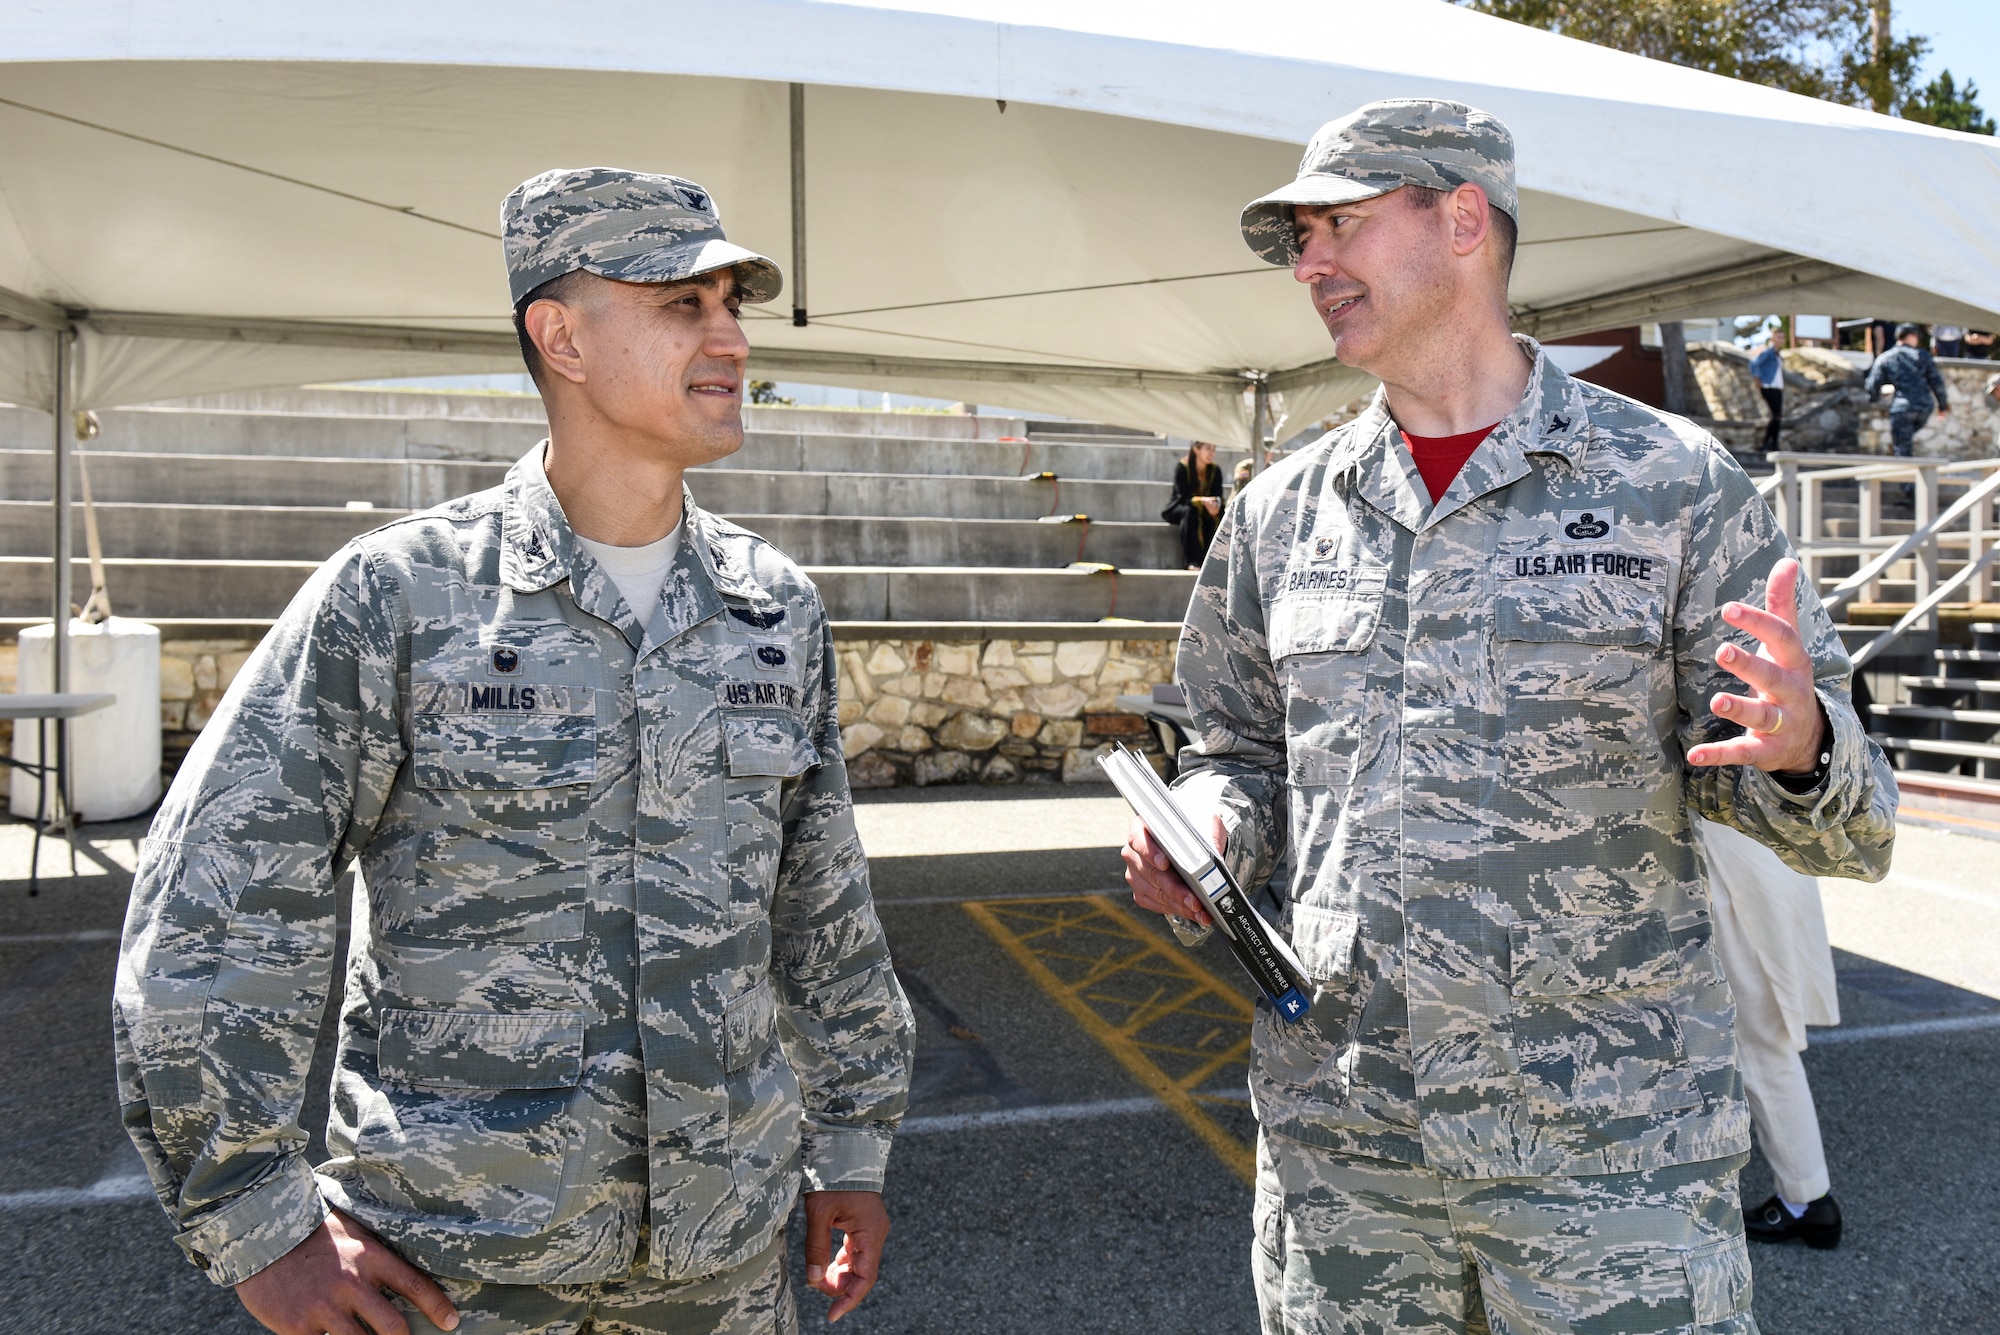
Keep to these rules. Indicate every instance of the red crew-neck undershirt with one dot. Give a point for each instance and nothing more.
(1440, 457)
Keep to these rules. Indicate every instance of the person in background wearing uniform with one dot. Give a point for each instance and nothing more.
(1948, 340)
(1197, 501)
(1770, 934)
(1910, 370)
(1458, 672)
(616, 988)
(1768, 369)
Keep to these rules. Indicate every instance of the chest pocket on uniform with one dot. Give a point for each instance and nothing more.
(1580, 662)
(761, 749)
(760, 745)
(1322, 626)
(503, 773)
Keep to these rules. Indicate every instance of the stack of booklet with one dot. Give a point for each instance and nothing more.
(1265, 955)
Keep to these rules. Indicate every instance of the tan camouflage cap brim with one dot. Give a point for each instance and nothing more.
(631, 226)
(1385, 146)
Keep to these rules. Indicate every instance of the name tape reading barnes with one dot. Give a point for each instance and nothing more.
(1324, 581)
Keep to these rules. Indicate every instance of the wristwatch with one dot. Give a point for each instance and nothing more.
(1798, 785)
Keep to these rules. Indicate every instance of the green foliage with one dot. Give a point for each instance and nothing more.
(766, 392)
(1839, 50)
(1942, 102)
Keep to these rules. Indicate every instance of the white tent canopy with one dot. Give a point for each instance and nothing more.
(1028, 202)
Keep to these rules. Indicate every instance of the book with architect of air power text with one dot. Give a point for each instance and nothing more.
(1265, 955)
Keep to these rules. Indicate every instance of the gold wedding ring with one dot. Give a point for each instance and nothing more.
(1772, 731)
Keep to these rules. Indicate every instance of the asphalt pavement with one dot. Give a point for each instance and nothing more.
(1075, 1155)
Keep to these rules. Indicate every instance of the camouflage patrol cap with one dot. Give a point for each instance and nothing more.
(1382, 147)
(631, 226)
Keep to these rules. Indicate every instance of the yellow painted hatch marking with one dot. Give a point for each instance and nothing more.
(1166, 1019)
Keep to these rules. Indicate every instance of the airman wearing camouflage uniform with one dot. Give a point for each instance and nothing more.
(617, 987)
(1454, 736)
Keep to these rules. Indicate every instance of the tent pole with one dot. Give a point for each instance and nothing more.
(64, 541)
(1260, 416)
(799, 205)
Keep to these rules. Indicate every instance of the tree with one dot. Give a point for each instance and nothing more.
(1882, 79)
(1839, 50)
(1943, 103)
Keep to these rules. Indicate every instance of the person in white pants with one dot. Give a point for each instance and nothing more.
(1770, 934)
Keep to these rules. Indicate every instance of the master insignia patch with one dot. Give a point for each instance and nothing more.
(1589, 525)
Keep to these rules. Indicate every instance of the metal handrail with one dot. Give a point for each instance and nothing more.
(1868, 651)
(1887, 467)
(1843, 593)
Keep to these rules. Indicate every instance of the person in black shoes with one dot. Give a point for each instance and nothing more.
(1770, 933)
(1773, 1221)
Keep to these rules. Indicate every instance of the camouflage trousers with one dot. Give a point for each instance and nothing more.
(1354, 1246)
(753, 1299)
(1903, 428)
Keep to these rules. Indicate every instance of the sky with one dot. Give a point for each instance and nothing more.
(1965, 38)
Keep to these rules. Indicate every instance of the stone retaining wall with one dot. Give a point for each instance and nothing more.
(911, 711)
(991, 711)
(1826, 409)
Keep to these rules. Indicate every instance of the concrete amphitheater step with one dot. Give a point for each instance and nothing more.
(837, 447)
(234, 479)
(1097, 460)
(730, 490)
(312, 533)
(961, 594)
(196, 532)
(261, 420)
(1071, 462)
(228, 479)
(172, 589)
(249, 590)
(851, 540)
(353, 400)
(321, 435)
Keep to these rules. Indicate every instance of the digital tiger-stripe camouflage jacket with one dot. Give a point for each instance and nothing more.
(616, 963)
(1456, 735)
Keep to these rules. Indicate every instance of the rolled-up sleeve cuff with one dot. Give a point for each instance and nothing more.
(844, 1159)
(257, 1227)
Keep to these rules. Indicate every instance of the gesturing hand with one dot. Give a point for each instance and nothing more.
(1155, 884)
(845, 1278)
(333, 1282)
(1782, 716)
